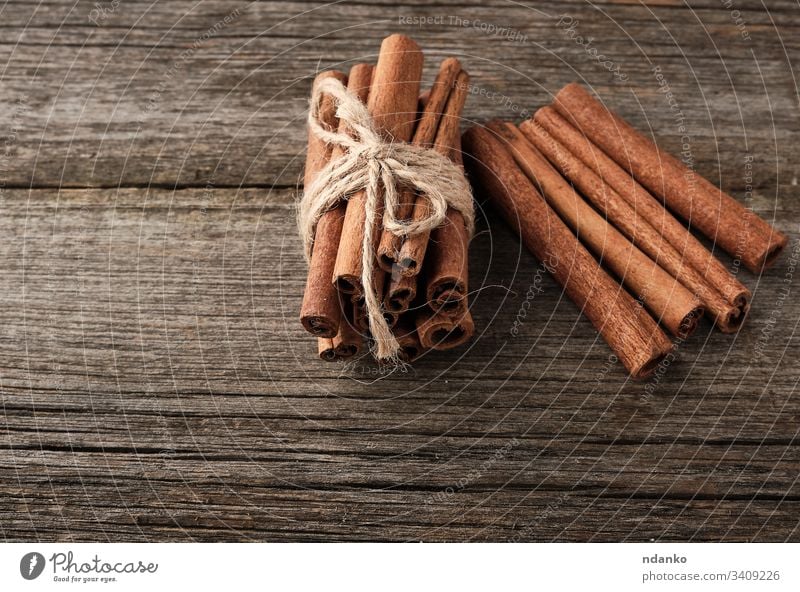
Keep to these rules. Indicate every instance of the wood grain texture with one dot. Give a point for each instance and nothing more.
(156, 384)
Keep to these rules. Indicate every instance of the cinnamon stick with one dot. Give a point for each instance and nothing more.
(448, 301)
(327, 352)
(410, 346)
(413, 250)
(647, 206)
(447, 259)
(393, 105)
(401, 292)
(728, 317)
(442, 330)
(626, 327)
(346, 344)
(359, 305)
(738, 230)
(320, 312)
(666, 298)
(424, 136)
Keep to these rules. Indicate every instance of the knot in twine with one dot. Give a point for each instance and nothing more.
(378, 167)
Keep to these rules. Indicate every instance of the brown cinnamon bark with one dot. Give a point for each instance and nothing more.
(728, 317)
(626, 327)
(449, 301)
(346, 344)
(401, 292)
(392, 103)
(327, 352)
(424, 136)
(413, 250)
(359, 305)
(320, 312)
(647, 206)
(447, 258)
(442, 330)
(410, 347)
(668, 300)
(739, 231)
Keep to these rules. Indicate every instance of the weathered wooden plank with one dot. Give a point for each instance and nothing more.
(151, 356)
(215, 512)
(177, 95)
(154, 379)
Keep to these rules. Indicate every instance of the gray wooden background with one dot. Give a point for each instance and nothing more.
(156, 384)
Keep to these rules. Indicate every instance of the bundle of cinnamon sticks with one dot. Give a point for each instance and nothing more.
(594, 199)
(421, 279)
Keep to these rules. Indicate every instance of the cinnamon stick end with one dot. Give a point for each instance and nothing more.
(770, 255)
(444, 331)
(410, 352)
(326, 350)
(319, 326)
(647, 369)
(349, 284)
(400, 300)
(690, 322)
(734, 320)
(408, 266)
(386, 260)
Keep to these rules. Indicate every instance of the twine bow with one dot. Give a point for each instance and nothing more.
(379, 167)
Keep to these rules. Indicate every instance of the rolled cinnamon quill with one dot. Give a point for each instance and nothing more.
(626, 327)
(739, 231)
(345, 344)
(728, 317)
(326, 349)
(410, 346)
(414, 247)
(401, 292)
(447, 258)
(392, 103)
(320, 312)
(443, 330)
(446, 250)
(646, 206)
(424, 136)
(667, 299)
(360, 318)
(448, 301)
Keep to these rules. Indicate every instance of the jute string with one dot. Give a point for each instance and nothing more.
(378, 167)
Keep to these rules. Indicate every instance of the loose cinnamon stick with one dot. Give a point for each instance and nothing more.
(413, 250)
(728, 317)
(666, 298)
(442, 330)
(320, 313)
(626, 327)
(647, 206)
(424, 136)
(393, 105)
(739, 231)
